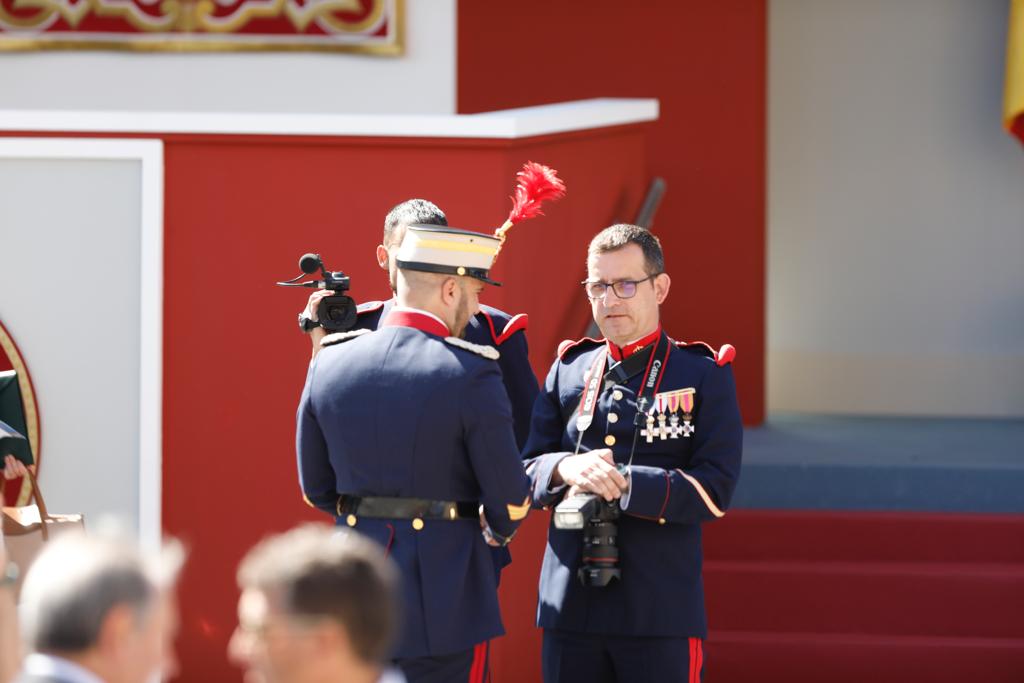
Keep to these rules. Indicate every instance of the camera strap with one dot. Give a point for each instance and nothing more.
(653, 361)
(655, 370)
(591, 390)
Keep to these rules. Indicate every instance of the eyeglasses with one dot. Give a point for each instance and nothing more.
(624, 289)
(261, 628)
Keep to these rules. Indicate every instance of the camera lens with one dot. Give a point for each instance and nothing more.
(600, 564)
(337, 313)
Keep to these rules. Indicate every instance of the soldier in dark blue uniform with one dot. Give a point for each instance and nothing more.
(652, 425)
(489, 327)
(405, 434)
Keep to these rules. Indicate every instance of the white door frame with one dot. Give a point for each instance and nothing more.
(150, 154)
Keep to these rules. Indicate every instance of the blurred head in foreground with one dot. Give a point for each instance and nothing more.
(317, 604)
(102, 605)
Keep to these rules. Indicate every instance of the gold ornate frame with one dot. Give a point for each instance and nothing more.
(28, 400)
(171, 44)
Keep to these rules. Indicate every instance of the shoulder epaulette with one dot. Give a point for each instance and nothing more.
(488, 352)
(369, 307)
(723, 356)
(573, 343)
(514, 324)
(339, 337)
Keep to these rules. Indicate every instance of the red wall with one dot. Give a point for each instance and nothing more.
(705, 62)
(239, 213)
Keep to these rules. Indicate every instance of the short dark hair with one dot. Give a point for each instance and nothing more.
(320, 572)
(619, 235)
(412, 212)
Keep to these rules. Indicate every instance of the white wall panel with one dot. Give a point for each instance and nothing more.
(81, 293)
(896, 211)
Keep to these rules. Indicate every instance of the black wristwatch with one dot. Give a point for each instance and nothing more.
(307, 324)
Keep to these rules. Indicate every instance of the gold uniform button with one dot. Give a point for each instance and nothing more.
(609, 440)
(351, 520)
(617, 395)
(613, 418)
(417, 524)
(661, 521)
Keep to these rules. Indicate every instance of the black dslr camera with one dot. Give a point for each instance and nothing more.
(337, 313)
(597, 518)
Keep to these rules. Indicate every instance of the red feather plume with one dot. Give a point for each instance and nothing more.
(536, 184)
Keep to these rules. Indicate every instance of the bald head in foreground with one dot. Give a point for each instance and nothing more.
(98, 609)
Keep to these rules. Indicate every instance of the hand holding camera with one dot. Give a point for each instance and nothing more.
(329, 308)
(592, 506)
(592, 472)
(311, 313)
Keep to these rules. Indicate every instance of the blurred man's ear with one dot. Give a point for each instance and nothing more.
(382, 256)
(330, 636)
(117, 628)
(332, 640)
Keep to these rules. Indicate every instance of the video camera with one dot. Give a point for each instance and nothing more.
(336, 313)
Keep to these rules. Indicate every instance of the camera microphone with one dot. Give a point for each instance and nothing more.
(309, 263)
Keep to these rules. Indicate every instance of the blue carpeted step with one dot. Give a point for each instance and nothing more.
(820, 462)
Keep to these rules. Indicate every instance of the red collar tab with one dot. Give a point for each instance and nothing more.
(515, 323)
(416, 320)
(628, 350)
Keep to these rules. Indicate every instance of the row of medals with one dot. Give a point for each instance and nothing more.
(668, 426)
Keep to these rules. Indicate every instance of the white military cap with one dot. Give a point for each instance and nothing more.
(440, 249)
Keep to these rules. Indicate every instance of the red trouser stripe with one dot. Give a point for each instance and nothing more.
(693, 660)
(479, 668)
(700, 659)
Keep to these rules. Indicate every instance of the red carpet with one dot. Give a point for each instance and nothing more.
(847, 596)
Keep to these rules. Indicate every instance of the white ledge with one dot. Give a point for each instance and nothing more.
(507, 124)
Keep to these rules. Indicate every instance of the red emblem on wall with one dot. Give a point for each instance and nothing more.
(372, 26)
(18, 408)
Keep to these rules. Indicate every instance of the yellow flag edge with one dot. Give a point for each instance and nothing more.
(1013, 91)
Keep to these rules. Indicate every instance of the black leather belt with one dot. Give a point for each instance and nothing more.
(406, 508)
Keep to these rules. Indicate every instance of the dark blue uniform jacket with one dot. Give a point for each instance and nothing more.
(676, 484)
(402, 412)
(489, 327)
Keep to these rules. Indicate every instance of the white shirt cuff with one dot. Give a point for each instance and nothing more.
(624, 500)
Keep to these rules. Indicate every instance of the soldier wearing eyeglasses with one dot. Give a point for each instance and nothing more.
(652, 424)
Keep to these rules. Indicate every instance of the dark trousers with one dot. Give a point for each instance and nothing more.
(469, 666)
(569, 657)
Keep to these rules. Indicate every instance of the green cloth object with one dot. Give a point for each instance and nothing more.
(12, 420)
